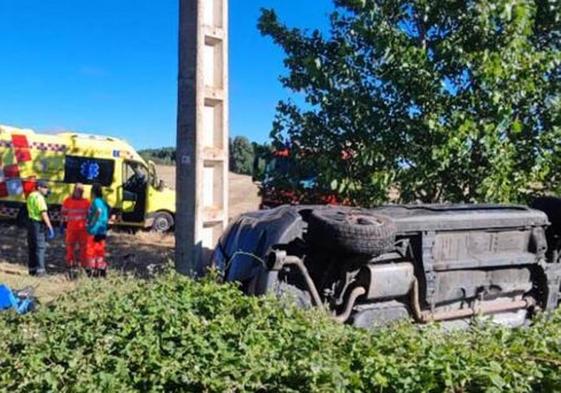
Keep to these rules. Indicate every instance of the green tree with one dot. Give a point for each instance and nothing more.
(163, 155)
(241, 155)
(441, 100)
(261, 155)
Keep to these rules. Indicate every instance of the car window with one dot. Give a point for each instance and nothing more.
(134, 169)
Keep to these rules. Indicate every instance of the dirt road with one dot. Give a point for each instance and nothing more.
(136, 253)
(243, 192)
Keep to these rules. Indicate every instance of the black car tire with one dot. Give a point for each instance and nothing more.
(163, 222)
(354, 231)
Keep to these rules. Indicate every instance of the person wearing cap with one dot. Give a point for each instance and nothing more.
(74, 218)
(39, 229)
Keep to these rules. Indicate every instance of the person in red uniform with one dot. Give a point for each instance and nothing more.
(97, 226)
(74, 217)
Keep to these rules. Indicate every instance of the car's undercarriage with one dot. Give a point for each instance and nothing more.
(369, 267)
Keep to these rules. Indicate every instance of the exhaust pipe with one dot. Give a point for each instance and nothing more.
(281, 259)
(427, 316)
(355, 293)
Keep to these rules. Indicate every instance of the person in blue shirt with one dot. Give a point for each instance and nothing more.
(97, 226)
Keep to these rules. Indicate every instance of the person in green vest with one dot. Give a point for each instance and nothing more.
(39, 229)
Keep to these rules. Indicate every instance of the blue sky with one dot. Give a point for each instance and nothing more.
(110, 66)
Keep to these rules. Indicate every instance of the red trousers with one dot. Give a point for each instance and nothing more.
(76, 243)
(95, 254)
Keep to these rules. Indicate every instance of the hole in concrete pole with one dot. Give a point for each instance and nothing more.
(213, 181)
(213, 64)
(213, 119)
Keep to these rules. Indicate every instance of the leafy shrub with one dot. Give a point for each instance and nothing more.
(174, 334)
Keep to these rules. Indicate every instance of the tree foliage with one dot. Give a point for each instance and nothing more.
(241, 155)
(163, 155)
(262, 155)
(441, 100)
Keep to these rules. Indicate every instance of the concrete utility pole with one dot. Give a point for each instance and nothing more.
(202, 132)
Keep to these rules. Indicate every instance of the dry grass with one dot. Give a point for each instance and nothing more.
(135, 254)
(46, 289)
(243, 192)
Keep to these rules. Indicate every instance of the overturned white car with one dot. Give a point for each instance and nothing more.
(373, 266)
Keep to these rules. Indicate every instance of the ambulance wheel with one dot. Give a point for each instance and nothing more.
(163, 222)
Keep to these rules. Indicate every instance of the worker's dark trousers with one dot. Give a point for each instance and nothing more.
(36, 245)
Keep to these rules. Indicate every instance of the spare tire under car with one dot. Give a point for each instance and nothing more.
(355, 231)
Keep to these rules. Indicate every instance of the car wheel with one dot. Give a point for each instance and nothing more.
(163, 222)
(355, 231)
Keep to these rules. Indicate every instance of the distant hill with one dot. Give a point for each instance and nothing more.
(162, 156)
(241, 160)
(243, 193)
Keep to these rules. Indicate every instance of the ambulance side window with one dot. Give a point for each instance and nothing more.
(135, 176)
(88, 170)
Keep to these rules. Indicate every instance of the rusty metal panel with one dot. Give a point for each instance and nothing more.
(482, 248)
(459, 285)
(387, 280)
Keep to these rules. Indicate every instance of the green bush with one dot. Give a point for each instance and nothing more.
(174, 334)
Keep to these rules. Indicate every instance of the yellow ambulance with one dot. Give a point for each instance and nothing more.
(131, 185)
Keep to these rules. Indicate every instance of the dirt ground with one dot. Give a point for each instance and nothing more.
(243, 192)
(137, 253)
(132, 253)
